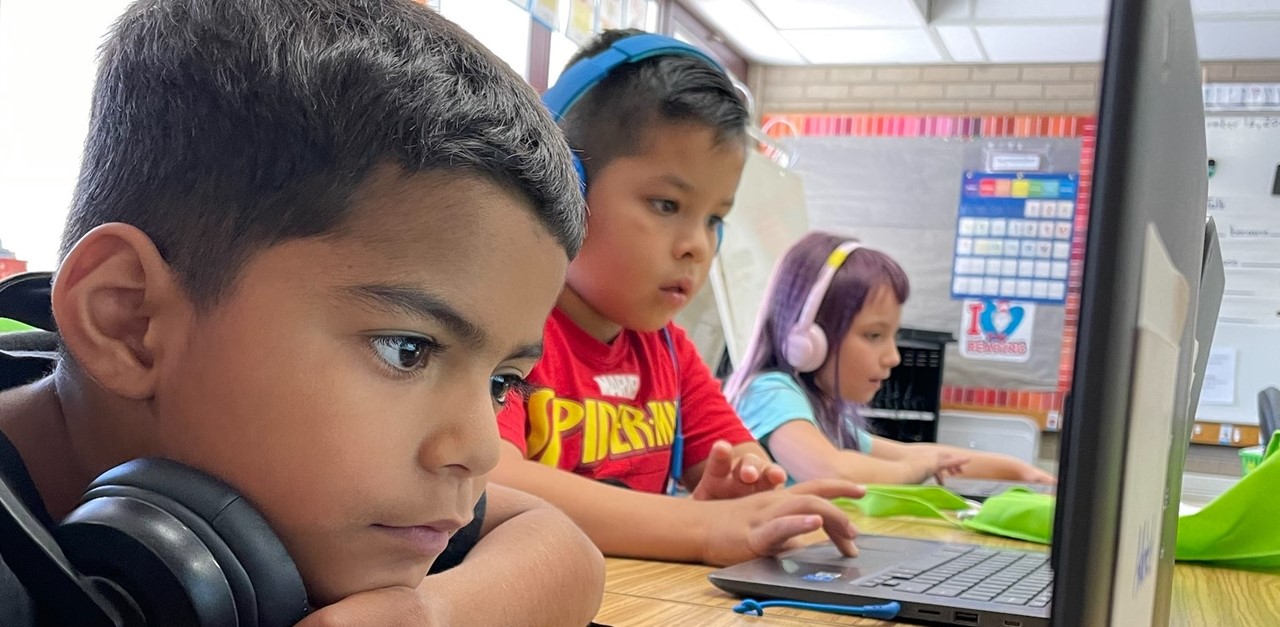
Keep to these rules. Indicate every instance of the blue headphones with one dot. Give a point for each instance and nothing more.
(579, 78)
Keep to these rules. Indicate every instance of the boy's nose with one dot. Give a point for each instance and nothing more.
(467, 442)
(698, 244)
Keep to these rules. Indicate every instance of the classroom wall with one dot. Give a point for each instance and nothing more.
(1070, 88)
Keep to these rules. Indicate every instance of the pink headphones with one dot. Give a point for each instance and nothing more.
(805, 347)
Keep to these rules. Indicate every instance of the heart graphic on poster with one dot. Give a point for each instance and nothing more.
(1000, 320)
(997, 330)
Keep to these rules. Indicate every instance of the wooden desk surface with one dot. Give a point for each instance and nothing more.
(643, 594)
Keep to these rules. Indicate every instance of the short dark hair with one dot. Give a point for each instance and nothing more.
(610, 120)
(222, 128)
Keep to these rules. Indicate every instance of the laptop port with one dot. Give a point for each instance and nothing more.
(966, 618)
(1013, 623)
(926, 612)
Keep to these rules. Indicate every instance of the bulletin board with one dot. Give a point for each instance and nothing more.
(901, 195)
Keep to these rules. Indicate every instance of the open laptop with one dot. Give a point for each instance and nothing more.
(1145, 331)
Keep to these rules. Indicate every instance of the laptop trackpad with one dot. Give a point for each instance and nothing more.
(875, 553)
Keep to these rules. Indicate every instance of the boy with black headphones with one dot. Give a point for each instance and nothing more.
(311, 249)
(621, 408)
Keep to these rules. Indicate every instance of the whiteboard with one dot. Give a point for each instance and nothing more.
(1246, 151)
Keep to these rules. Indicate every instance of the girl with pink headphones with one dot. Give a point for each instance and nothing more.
(824, 344)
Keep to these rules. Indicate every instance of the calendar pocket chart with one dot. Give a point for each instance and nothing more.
(1013, 236)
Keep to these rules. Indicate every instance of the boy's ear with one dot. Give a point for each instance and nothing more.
(119, 309)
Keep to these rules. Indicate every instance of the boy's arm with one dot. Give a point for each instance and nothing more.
(532, 566)
(627, 523)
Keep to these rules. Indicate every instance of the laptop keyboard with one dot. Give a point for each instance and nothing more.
(976, 574)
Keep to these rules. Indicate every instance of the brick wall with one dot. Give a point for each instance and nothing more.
(1069, 88)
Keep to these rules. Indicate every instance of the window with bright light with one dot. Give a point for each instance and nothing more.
(500, 25)
(48, 62)
(562, 48)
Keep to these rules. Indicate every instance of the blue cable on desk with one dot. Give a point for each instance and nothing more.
(886, 611)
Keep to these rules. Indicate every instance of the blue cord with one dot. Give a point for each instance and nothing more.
(887, 611)
(677, 458)
(677, 445)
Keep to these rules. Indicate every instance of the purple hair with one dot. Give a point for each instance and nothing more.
(862, 274)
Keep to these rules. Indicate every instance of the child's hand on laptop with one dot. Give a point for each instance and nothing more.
(769, 523)
(727, 478)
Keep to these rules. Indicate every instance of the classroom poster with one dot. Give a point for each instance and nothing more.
(547, 13)
(1219, 386)
(523, 4)
(610, 14)
(997, 330)
(637, 14)
(1013, 236)
(582, 21)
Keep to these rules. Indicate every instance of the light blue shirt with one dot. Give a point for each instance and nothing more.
(772, 399)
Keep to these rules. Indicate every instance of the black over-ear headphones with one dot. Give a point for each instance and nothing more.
(152, 542)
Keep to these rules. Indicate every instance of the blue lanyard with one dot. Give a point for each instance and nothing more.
(886, 611)
(677, 444)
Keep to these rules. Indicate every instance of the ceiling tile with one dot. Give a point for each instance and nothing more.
(1042, 44)
(965, 31)
(790, 14)
(749, 32)
(1040, 10)
(832, 46)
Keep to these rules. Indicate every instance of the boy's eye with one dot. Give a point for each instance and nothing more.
(405, 353)
(501, 386)
(714, 222)
(664, 206)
